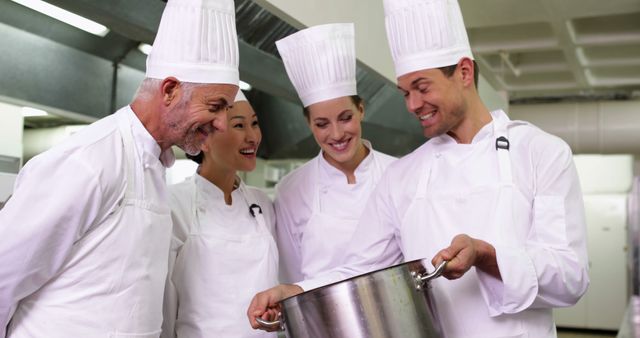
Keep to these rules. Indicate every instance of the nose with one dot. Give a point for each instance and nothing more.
(413, 102)
(253, 136)
(219, 121)
(335, 131)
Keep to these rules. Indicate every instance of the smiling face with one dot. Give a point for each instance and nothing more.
(236, 148)
(335, 125)
(199, 112)
(435, 99)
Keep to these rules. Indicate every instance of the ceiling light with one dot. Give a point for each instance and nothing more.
(145, 48)
(244, 86)
(65, 16)
(30, 112)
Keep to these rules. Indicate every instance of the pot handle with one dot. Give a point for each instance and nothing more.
(421, 280)
(276, 324)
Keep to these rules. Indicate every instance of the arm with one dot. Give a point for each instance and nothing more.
(54, 203)
(551, 268)
(376, 247)
(288, 240)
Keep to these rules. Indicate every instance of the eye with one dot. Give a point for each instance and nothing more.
(346, 118)
(238, 125)
(254, 123)
(423, 89)
(218, 107)
(322, 125)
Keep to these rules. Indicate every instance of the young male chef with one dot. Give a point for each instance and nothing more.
(85, 237)
(498, 199)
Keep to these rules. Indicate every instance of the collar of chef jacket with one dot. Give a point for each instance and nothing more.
(334, 173)
(486, 131)
(146, 143)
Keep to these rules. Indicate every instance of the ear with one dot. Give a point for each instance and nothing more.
(361, 109)
(466, 70)
(170, 88)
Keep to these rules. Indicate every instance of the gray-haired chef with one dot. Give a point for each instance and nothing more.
(85, 237)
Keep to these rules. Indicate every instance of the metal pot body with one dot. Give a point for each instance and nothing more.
(388, 303)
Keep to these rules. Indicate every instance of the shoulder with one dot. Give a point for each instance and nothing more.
(383, 158)
(296, 181)
(535, 140)
(259, 195)
(180, 194)
(409, 161)
(96, 150)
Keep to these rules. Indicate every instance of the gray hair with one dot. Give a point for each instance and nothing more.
(150, 85)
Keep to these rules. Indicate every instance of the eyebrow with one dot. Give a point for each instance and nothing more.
(414, 83)
(218, 100)
(345, 112)
(242, 117)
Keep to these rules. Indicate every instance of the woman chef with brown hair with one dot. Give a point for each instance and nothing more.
(318, 205)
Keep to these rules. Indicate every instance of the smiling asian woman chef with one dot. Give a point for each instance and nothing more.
(223, 249)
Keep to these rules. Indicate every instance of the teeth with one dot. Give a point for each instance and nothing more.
(426, 117)
(247, 151)
(340, 145)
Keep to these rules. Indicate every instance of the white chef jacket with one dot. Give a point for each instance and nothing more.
(342, 202)
(218, 261)
(545, 268)
(62, 196)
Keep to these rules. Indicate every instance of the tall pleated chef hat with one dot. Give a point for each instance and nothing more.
(240, 97)
(425, 34)
(321, 62)
(196, 42)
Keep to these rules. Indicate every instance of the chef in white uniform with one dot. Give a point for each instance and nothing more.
(499, 199)
(318, 204)
(85, 237)
(223, 249)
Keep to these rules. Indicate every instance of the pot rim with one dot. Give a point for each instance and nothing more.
(318, 289)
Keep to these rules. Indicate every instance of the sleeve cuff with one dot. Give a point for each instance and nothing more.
(519, 285)
(319, 281)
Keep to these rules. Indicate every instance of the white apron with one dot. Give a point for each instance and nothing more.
(486, 212)
(112, 283)
(217, 273)
(326, 235)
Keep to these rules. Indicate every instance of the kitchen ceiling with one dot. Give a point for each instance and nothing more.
(533, 50)
(557, 49)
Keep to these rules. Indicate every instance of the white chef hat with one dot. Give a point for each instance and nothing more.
(425, 34)
(240, 97)
(321, 62)
(196, 42)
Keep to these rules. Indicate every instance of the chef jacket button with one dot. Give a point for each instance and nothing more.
(438, 155)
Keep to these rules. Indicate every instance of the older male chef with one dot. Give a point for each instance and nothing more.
(85, 237)
(501, 197)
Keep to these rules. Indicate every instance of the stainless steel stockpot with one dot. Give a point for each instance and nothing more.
(388, 303)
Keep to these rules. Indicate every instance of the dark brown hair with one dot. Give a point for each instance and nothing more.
(196, 158)
(449, 70)
(357, 100)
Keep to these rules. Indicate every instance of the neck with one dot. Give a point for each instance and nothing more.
(222, 178)
(475, 116)
(147, 113)
(348, 168)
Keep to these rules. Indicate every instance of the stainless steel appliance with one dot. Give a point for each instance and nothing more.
(392, 302)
